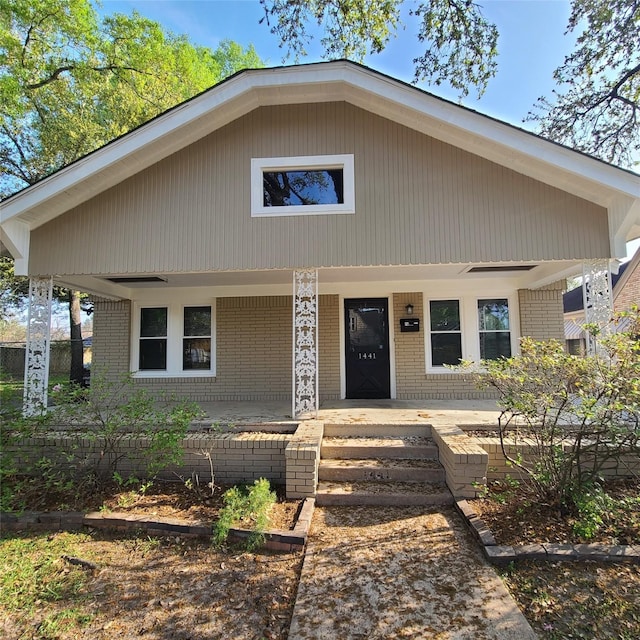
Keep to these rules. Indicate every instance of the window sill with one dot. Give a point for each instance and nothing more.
(172, 374)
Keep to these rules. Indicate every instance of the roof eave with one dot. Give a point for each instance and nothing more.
(613, 188)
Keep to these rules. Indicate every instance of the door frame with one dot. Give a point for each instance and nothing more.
(392, 342)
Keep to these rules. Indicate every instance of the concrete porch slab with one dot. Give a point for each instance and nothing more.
(468, 412)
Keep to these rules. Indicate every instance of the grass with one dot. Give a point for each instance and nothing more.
(37, 583)
(583, 600)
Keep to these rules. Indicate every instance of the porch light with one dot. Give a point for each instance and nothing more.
(409, 309)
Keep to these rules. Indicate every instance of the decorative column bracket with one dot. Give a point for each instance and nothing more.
(36, 368)
(597, 297)
(305, 343)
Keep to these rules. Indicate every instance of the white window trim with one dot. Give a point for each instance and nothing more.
(470, 326)
(301, 163)
(175, 336)
(431, 368)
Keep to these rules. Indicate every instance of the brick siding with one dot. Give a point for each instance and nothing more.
(541, 312)
(629, 294)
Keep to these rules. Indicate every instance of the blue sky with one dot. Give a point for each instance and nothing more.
(532, 43)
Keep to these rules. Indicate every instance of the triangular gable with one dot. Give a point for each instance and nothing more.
(616, 189)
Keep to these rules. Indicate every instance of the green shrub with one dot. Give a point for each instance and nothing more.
(577, 414)
(249, 506)
(103, 426)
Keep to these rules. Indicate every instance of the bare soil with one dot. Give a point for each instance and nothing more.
(569, 600)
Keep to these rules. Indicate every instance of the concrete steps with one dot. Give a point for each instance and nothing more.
(382, 470)
(390, 494)
(383, 464)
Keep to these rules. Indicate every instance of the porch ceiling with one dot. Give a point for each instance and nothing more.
(330, 279)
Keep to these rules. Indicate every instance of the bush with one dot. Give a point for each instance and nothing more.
(97, 423)
(577, 413)
(247, 505)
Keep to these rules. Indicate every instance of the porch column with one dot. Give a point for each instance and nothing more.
(597, 297)
(305, 343)
(36, 366)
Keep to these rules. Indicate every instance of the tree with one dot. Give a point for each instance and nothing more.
(461, 46)
(70, 82)
(597, 107)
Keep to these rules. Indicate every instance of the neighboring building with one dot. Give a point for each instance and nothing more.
(625, 289)
(409, 231)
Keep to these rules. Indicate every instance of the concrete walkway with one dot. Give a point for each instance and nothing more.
(398, 572)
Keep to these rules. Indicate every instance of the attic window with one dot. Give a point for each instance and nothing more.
(302, 185)
(502, 269)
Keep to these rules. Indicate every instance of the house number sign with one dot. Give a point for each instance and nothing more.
(367, 356)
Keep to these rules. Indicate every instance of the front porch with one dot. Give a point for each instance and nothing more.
(359, 451)
(387, 412)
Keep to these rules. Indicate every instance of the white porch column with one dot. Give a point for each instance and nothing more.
(36, 366)
(597, 297)
(305, 343)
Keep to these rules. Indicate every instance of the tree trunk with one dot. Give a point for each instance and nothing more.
(75, 322)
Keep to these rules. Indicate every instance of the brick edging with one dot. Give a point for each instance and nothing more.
(275, 540)
(504, 554)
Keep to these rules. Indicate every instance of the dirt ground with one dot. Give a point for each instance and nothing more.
(169, 590)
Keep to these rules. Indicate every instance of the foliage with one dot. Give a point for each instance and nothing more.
(70, 82)
(461, 46)
(106, 427)
(114, 413)
(597, 107)
(246, 505)
(576, 414)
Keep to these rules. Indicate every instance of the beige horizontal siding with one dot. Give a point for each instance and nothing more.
(418, 201)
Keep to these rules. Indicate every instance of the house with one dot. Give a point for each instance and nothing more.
(625, 293)
(316, 232)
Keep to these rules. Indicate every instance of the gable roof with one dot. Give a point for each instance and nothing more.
(615, 189)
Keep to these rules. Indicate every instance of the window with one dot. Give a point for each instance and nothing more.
(153, 339)
(173, 340)
(196, 344)
(305, 185)
(446, 333)
(473, 326)
(495, 334)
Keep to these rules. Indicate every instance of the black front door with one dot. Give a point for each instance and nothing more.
(367, 348)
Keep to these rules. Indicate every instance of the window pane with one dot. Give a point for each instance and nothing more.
(493, 315)
(196, 353)
(294, 188)
(153, 322)
(153, 354)
(445, 315)
(197, 321)
(495, 344)
(446, 348)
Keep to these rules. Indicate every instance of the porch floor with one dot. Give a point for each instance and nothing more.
(449, 412)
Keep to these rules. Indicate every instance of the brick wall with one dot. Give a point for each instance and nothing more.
(254, 350)
(410, 367)
(541, 312)
(110, 344)
(629, 294)
(329, 347)
(237, 458)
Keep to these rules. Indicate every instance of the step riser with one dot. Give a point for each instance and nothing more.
(376, 430)
(333, 474)
(368, 452)
(395, 500)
